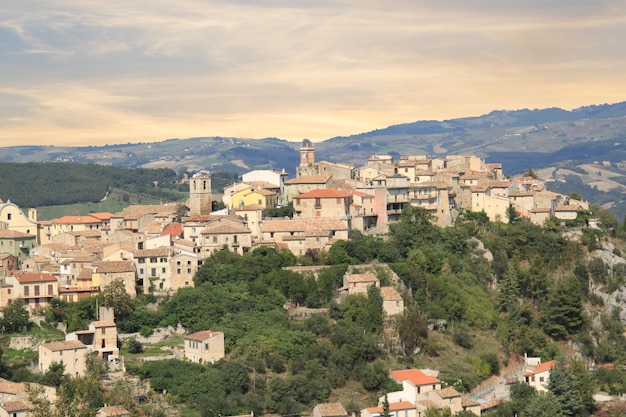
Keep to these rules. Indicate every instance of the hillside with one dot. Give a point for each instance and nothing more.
(478, 297)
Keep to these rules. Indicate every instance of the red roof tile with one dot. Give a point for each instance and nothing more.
(323, 193)
(105, 215)
(415, 376)
(87, 219)
(14, 406)
(545, 366)
(202, 335)
(174, 229)
(64, 345)
(33, 277)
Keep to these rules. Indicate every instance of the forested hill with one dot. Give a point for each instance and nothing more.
(59, 183)
(49, 184)
(478, 296)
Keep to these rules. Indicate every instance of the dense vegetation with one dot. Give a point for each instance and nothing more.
(53, 184)
(535, 294)
(48, 184)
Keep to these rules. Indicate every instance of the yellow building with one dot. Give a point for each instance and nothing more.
(14, 218)
(250, 196)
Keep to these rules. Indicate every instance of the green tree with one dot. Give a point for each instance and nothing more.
(544, 405)
(584, 384)
(134, 346)
(436, 412)
(15, 316)
(509, 289)
(413, 330)
(561, 385)
(55, 375)
(512, 215)
(563, 314)
(386, 412)
(530, 173)
(115, 295)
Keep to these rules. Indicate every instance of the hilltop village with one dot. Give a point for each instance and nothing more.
(157, 249)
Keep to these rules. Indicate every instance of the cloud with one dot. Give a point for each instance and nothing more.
(107, 72)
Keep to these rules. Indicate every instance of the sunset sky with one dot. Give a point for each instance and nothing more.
(78, 72)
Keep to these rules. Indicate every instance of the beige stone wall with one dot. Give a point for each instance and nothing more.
(183, 267)
(328, 208)
(73, 359)
(393, 307)
(495, 207)
(105, 337)
(208, 350)
(105, 279)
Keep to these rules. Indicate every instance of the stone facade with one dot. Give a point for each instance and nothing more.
(72, 353)
(204, 346)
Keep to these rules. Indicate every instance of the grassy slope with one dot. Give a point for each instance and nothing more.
(113, 204)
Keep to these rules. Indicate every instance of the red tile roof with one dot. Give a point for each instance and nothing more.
(174, 229)
(401, 405)
(415, 376)
(323, 193)
(87, 219)
(14, 406)
(33, 277)
(64, 345)
(202, 335)
(105, 215)
(390, 294)
(545, 366)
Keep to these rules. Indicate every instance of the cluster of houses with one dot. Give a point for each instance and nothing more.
(158, 248)
(422, 390)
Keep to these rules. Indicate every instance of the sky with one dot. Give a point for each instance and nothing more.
(86, 72)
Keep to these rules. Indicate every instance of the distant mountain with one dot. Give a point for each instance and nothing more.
(520, 139)
(577, 141)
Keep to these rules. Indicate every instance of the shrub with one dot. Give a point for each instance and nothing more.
(462, 338)
(146, 331)
(134, 346)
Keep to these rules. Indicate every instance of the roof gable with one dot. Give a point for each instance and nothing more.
(323, 193)
(415, 376)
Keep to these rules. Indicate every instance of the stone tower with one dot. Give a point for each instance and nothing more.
(200, 194)
(307, 159)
